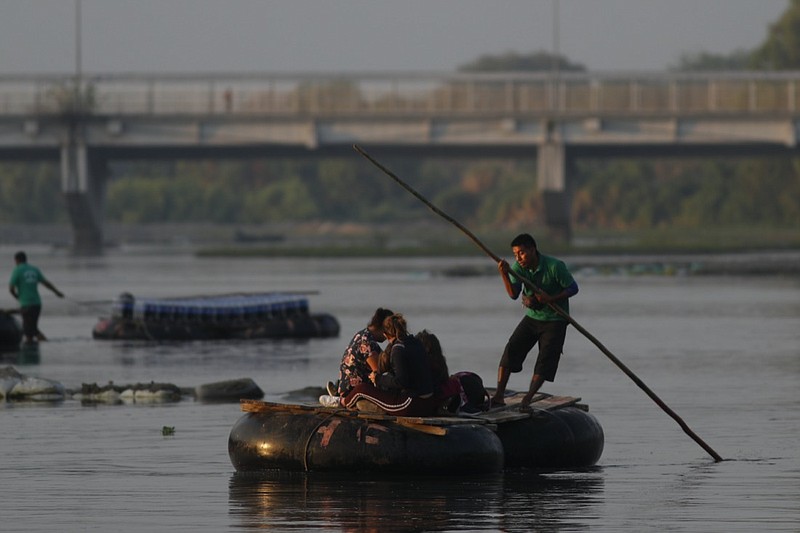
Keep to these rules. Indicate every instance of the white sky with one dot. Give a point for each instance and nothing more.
(39, 36)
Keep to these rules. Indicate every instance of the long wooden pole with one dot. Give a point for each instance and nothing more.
(553, 306)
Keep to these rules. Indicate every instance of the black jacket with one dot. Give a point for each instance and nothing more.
(410, 370)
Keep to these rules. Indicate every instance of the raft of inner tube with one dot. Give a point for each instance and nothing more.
(562, 438)
(10, 332)
(322, 439)
(237, 316)
(298, 327)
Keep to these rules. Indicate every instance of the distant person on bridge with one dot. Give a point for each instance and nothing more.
(24, 286)
(541, 323)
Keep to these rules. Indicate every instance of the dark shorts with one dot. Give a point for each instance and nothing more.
(549, 335)
(30, 320)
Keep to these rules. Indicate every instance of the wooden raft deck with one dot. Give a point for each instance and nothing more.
(436, 425)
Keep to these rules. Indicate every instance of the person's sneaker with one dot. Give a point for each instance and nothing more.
(331, 386)
(330, 400)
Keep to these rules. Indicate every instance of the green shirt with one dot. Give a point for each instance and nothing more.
(26, 279)
(552, 277)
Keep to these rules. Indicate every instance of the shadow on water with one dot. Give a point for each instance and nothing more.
(517, 500)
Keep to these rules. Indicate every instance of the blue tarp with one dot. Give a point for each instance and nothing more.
(223, 308)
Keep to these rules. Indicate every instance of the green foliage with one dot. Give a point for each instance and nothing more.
(705, 61)
(458, 204)
(31, 193)
(781, 49)
(540, 61)
(629, 194)
(501, 194)
(287, 199)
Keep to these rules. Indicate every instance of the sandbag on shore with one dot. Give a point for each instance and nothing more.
(135, 393)
(16, 386)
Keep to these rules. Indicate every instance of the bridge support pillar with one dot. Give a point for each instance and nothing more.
(83, 179)
(552, 170)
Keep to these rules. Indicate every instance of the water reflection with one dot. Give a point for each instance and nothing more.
(236, 353)
(27, 354)
(514, 501)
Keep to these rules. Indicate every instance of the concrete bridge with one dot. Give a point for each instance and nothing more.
(86, 122)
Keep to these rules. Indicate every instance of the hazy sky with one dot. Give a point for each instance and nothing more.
(38, 36)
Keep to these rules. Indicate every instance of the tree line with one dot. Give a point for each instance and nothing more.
(612, 194)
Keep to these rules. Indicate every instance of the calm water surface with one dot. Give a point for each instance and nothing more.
(723, 352)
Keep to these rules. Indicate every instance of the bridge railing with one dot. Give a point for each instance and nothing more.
(388, 94)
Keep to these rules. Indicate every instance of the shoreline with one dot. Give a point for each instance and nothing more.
(767, 263)
(751, 251)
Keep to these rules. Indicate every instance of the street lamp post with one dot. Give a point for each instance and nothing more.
(556, 39)
(78, 38)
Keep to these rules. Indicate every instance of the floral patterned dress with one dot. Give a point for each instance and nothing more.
(354, 368)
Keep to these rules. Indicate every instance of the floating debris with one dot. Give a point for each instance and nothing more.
(136, 393)
(16, 386)
(19, 387)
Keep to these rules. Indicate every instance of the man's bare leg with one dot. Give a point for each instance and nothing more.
(502, 380)
(536, 384)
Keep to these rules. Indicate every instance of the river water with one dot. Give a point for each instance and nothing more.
(722, 351)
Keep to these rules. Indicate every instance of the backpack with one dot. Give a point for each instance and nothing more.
(472, 396)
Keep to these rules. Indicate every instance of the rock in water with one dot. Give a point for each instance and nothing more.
(229, 391)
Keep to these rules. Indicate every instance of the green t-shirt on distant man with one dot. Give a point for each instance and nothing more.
(26, 279)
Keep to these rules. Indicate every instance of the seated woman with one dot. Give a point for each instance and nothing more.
(445, 386)
(405, 387)
(435, 356)
(361, 356)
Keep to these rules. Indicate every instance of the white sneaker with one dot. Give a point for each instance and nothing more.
(330, 401)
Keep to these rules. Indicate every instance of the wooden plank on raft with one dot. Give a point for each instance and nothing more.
(505, 416)
(540, 401)
(497, 415)
(510, 411)
(426, 420)
(555, 402)
(514, 399)
(431, 426)
(423, 428)
(453, 420)
(259, 406)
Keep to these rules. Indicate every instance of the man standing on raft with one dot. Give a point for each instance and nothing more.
(24, 286)
(541, 323)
